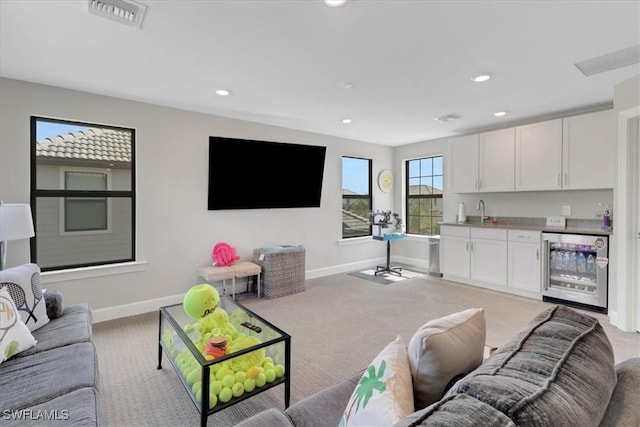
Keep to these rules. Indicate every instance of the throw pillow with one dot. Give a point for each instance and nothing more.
(14, 334)
(384, 394)
(24, 286)
(442, 349)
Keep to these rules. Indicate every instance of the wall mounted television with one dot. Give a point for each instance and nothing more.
(251, 174)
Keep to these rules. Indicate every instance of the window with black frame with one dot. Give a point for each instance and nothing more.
(356, 197)
(424, 195)
(82, 194)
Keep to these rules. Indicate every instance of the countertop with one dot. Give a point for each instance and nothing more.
(538, 224)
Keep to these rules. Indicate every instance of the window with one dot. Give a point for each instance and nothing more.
(424, 195)
(82, 194)
(356, 197)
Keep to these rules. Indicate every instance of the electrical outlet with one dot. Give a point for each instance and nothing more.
(566, 210)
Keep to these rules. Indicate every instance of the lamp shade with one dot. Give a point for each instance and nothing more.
(15, 222)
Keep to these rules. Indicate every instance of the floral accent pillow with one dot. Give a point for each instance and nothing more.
(384, 394)
(25, 288)
(14, 334)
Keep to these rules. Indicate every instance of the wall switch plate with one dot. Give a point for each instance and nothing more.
(556, 221)
(566, 210)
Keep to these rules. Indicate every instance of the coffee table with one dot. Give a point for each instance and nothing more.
(178, 339)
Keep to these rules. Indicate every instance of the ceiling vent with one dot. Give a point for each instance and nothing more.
(610, 61)
(124, 11)
(448, 117)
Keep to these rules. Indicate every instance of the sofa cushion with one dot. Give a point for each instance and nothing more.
(459, 411)
(559, 370)
(442, 349)
(384, 394)
(35, 379)
(78, 408)
(73, 327)
(25, 288)
(271, 417)
(623, 409)
(15, 337)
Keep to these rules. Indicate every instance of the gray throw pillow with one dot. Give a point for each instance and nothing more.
(442, 349)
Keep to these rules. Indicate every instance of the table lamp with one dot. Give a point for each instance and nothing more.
(16, 223)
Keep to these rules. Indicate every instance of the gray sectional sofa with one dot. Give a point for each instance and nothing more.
(55, 382)
(558, 371)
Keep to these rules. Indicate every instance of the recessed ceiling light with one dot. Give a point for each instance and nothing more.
(222, 92)
(346, 121)
(345, 85)
(500, 113)
(481, 78)
(334, 3)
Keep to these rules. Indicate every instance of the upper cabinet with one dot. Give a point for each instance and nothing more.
(482, 163)
(589, 151)
(573, 153)
(464, 164)
(539, 156)
(496, 160)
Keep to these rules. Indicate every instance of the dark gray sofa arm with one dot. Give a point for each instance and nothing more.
(623, 409)
(54, 301)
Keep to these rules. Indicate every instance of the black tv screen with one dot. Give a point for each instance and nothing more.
(248, 174)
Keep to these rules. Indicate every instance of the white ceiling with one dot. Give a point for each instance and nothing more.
(284, 61)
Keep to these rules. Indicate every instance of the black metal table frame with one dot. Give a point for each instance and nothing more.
(387, 268)
(203, 406)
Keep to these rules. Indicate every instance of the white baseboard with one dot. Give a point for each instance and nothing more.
(146, 306)
(140, 307)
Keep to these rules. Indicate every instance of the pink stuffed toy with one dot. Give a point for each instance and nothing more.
(224, 254)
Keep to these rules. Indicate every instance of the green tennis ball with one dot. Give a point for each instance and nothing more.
(279, 371)
(213, 400)
(240, 376)
(215, 387)
(199, 396)
(225, 395)
(196, 387)
(237, 389)
(249, 385)
(192, 376)
(228, 381)
(200, 300)
(270, 374)
(261, 380)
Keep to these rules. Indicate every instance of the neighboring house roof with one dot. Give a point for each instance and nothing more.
(415, 190)
(94, 145)
(353, 224)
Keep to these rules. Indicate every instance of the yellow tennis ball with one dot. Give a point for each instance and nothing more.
(200, 300)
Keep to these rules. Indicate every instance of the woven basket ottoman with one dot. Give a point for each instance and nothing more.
(282, 270)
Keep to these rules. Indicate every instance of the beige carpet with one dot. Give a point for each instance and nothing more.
(338, 325)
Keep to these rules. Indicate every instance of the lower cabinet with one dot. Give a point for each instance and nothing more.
(495, 258)
(524, 260)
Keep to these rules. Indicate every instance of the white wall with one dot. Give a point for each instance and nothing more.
(175, 231)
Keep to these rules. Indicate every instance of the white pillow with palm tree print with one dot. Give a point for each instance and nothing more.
(25, 288)
(14, 335)
(384, 394)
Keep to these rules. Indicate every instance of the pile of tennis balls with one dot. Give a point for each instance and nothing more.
(233, 377)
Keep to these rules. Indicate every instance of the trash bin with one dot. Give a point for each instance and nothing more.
(434, 256)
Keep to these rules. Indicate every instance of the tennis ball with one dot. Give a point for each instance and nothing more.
(279, 371)
(237, 389)
(267, 366)
(219, 315)
(192, 376)
(215, 387)
(249, 385)
(261, 379)
(239, 377)
(200, 300)
(199, 396)
(228, 381)
(253, 372)
(225, 395)
(270, 374)
(213, 400)
(196, 387)
(222, 372)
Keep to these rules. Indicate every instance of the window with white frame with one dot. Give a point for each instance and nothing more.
(82, 194)
(356, 197)
(424, 195)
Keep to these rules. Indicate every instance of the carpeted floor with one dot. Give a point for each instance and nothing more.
(338, 325)
(388, 278)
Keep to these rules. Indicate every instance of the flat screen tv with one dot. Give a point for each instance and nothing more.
(249, 174)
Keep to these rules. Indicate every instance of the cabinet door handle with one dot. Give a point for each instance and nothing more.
(467, 246)
(566, 178)
(537, 254)
(559, 180)
(476, 184)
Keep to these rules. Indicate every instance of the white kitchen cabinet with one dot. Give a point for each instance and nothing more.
(524, 267)
(589, 150)
(463, 165)
(454, 251)
(496, 161)
(538, 164)
(488, 255)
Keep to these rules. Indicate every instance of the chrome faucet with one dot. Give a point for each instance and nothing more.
(481, 207)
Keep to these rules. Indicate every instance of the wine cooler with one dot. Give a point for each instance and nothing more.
(575, 270)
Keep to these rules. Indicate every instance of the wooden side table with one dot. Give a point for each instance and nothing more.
(238, 269)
